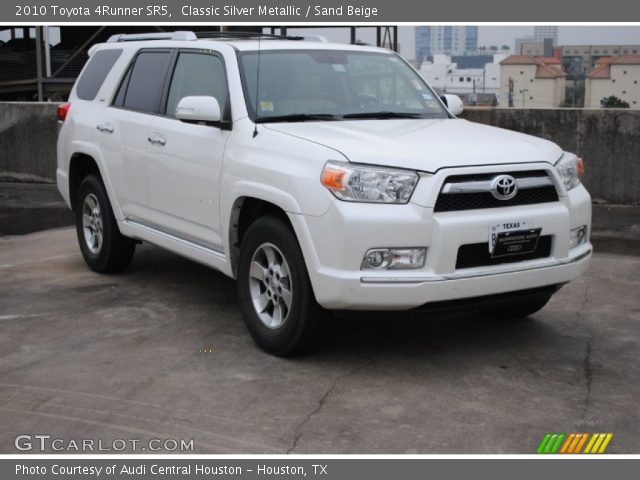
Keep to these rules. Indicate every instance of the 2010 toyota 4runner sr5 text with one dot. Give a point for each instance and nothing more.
(320, 176)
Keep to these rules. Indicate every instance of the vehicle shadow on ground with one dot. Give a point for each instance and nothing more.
(407, 334)
(416, 334)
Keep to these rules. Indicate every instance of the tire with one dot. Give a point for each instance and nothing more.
(519, 310)
(270, 265)
(103, 247)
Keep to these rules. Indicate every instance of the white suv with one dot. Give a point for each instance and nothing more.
(319, 176)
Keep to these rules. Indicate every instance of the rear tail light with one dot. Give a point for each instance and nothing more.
(63, 111)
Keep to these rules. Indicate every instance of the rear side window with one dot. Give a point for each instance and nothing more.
(197, 74)
(146, 82)
(96, 71)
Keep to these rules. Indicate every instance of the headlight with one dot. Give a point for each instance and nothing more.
(356, 183)
(570, 168)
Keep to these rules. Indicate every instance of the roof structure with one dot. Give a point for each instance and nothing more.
(546, 67)
(603, 65)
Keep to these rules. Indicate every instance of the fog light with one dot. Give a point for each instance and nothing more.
(394, 259)
(577, 236)
(376, 259)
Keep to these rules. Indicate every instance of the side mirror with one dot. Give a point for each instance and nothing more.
(453, 103)
(198, 109)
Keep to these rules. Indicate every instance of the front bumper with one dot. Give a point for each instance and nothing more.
(335, 243)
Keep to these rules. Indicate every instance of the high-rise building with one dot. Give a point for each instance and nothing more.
(520, 41)
(471, 39)
(423, 43)
(446, 39)
(546, 31)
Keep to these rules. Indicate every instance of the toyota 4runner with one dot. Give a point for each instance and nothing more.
(320, 176)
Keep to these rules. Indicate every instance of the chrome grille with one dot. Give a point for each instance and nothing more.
(469, 192)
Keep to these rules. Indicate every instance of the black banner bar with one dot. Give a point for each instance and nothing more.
(303, 12)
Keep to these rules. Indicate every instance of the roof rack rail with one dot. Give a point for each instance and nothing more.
(246, 35)
(134, 37)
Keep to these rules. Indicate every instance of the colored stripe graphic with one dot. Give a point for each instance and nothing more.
(577, 439)
(581, 442)
(572, 443)
(598, 443)
(591, 443)
(567, 442)
(543, 443)
(551, 442)
(605, 442)
(556, 445)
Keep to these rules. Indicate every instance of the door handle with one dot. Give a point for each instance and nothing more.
(157, 139)
(105, 127)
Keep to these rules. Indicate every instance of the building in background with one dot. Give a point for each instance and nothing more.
(476, 81)
(577, 61)
(471, 39)
(542, 32)
(580, 59)
(423, 44)
(532, 82)
(532, 47)
(520, 41)
(542, 49)
(614, 76)
(445, 39)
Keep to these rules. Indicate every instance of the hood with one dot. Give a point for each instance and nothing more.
(425, 145)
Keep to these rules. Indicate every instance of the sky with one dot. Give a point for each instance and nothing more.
(488, 35)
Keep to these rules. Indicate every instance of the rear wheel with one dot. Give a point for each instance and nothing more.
(274, 289)
(102, 245)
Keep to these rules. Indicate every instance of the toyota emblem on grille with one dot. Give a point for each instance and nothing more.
(504, 187)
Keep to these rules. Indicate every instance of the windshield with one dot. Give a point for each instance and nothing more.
(301, 85)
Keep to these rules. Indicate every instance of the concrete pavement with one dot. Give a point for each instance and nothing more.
(162, 352)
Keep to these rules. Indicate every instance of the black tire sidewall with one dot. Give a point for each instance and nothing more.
(101, 261)
(296, 334)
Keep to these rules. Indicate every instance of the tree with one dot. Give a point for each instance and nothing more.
(613, 102)
(483, 49)
(493, 48)
(506, 48)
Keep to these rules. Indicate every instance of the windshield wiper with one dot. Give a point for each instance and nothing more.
(298, 117)
(383, 115)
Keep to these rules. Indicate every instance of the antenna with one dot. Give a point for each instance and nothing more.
(255, 128)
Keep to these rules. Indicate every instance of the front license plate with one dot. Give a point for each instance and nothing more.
(516, 242)
(507, 226)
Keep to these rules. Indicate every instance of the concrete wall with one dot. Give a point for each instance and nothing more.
(28, 134)
(608, 140)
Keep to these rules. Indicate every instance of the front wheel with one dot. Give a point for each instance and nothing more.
(274, 289)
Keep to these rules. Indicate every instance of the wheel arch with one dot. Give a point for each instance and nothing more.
(80, 165)
(244, 211)
(86, 159)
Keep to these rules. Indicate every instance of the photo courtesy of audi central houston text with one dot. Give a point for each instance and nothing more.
(321, 239)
